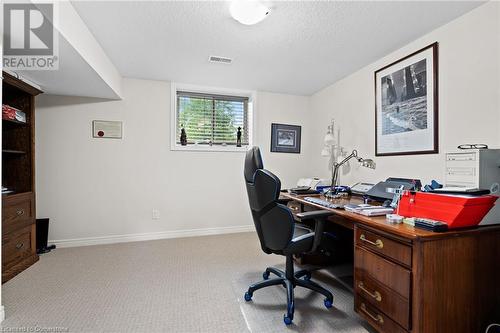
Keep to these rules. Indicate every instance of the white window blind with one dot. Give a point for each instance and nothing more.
(211, 119)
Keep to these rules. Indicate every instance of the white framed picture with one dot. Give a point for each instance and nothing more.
(107, 129)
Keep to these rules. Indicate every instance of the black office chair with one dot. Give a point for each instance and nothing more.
(278, 233)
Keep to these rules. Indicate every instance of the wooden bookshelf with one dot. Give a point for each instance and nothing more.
(18, 176)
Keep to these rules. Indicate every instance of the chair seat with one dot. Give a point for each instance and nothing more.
(300, 231)
(302, 241)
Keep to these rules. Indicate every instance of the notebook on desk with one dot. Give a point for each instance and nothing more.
(368, 210)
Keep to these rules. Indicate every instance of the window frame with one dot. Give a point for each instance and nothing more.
(251, 95)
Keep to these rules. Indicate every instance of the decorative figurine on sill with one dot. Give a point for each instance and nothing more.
(238, 137)
(184, 140)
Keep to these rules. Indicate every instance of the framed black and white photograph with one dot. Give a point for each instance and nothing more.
(406, 105)
(285, 138)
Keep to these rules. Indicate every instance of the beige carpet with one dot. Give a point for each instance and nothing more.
(176, 285)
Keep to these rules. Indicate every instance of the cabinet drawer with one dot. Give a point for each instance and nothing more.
(376, 317)
(389, 274)
(383, 299)
(17, 211)
(16, 246)
(383, 245)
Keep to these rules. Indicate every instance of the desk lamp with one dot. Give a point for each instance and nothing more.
(330, 141)
(367, 163)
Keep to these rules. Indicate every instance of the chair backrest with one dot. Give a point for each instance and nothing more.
(274, 222)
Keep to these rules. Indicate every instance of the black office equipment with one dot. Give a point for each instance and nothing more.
(385, 190)
(42, 234)
(459, 191)
(432, 225)
(301, 190)
(278, 233)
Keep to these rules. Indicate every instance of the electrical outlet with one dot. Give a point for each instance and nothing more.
(155, 214)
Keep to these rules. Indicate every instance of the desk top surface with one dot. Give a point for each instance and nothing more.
(379, 222)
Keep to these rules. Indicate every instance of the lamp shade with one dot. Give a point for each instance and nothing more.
(329, 139)
(368, 163)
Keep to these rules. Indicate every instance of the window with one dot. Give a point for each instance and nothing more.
(211, 120)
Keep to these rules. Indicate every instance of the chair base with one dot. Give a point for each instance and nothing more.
(289, 280)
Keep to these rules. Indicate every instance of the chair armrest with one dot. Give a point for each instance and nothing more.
(319, 216)
(284, 201)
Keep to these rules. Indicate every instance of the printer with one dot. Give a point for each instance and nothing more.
(385, 190)
(475, 169)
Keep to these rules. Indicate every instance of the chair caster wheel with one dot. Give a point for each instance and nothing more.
(265, 275)
(328, 303)
(248, 297)
(287, 320)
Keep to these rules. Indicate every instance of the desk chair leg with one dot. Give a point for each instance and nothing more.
(275, 271)
(289, 280)
(303, 273)
(260, 285)
(316, 287)
(290, 302)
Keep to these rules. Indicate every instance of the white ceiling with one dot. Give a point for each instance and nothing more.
(299, 48)
(75, 77)
(84, 69)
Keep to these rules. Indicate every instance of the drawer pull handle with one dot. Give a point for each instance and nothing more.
(378, 243)
(375, 295)
(377, 318)
(19, 246)
(20, 212)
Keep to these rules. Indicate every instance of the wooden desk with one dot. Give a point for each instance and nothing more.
(412, 280)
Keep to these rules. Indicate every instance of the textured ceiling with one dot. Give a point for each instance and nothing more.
(299, 48)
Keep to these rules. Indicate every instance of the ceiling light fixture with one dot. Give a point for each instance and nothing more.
(248, 12)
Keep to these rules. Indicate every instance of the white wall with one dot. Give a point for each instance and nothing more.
(98, 188)
(104, 187)
(469, 100)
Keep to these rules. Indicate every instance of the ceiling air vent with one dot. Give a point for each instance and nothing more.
(220, 60)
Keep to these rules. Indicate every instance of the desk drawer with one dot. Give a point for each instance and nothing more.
(16, 246)
(383, 299)
(383, 245)
(376, 318)
(17, 211)
(389, 274)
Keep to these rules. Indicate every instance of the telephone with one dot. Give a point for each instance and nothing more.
(361, 188)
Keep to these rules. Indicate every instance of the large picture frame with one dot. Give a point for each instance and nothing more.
(406, 105)
(285, 138)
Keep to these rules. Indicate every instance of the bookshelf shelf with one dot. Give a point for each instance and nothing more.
(18, 178)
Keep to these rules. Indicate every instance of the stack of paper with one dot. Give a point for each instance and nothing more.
(368, 210)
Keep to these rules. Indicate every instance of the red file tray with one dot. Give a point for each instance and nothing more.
(455, 210)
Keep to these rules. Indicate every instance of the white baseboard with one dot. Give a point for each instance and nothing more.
(149, 236)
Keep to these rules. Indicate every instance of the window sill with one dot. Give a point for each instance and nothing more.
(194, 147)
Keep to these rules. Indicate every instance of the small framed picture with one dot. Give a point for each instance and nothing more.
(106, 129)
(285, 138)
(406, 105)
